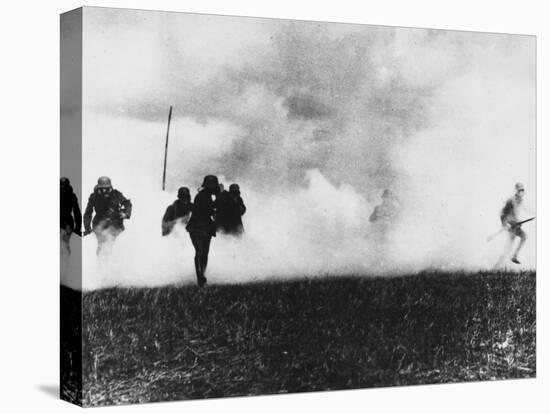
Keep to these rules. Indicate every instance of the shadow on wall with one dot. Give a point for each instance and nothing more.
(51, 390)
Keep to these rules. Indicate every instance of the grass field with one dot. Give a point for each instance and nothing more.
(169, 343)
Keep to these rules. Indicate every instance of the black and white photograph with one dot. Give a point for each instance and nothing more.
(257, 206)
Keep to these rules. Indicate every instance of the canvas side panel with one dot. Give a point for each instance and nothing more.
(70, 243)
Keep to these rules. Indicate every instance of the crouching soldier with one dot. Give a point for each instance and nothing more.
(111, 209)
(231, 208)
(386, 213)
(71, 218)
(177, 212)
(202, 225)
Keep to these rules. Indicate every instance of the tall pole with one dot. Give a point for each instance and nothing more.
(166, 149)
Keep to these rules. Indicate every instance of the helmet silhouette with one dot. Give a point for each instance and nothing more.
(104, 182)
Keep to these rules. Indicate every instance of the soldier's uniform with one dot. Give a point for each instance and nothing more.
(385, 213)
(509, 216)
(230, 209)
(383, 219)
(71, 218)
(111, 209)
(202, 224)
(177, 212)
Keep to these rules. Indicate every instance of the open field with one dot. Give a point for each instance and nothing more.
(168, 343)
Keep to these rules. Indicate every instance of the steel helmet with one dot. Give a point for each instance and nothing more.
(183, 192)
(387, 193)
(210, 182)
(104, 182)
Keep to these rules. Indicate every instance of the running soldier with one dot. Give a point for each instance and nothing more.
(177, 212)
(386, 212)
(111, 209)
(71, 218)
(509, 217)
(202, 225)
(231, 208)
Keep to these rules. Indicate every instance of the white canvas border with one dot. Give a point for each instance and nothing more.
(30, 293)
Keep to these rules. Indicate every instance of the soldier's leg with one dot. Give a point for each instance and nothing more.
(108, 245)
(101, 237)
(204, 246)
(197, 244)
(112, 234)
(66, 241)
(522, 239)
(206, 250)
(507, 250)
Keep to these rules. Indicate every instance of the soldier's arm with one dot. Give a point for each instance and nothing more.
(187, 216)
(242, 208)
(77, 215)
(88, 214)
(126, 205)
(168, 214)
(166, 220)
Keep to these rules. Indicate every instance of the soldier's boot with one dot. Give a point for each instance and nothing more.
(202, 281)
(202, 278)
(199, 270)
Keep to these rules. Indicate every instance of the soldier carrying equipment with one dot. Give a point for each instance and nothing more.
(519, 223)
(111, 209)
(387, 211)
(509, 217)
(230, 209)
(177, 212)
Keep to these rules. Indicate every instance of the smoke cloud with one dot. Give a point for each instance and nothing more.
(313, 120)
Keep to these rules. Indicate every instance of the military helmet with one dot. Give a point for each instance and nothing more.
(210, 182)
(183, 192)
(519, 187)
(104, 182)
(65, 185)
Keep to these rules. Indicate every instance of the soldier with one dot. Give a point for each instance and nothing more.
(231, 208)
(382, 219)
(111, 209)
(222, 200)
(509, 217)
(386, 212)
(202, 225)
(71, 218)
(177, 212)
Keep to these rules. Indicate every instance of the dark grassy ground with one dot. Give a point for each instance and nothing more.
(170, 343)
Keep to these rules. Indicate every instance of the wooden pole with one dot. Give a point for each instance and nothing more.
(166, 149)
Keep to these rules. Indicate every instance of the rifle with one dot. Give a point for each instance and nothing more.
(512, 226)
